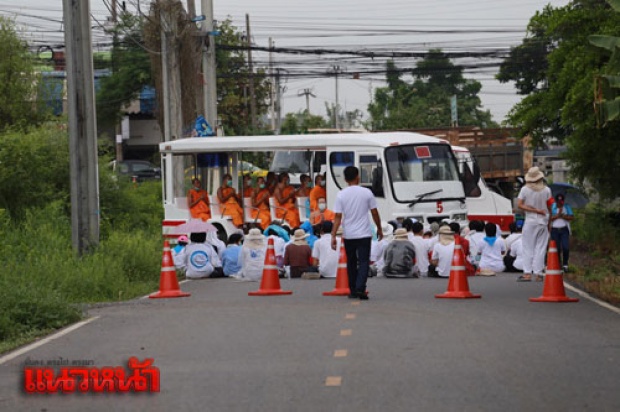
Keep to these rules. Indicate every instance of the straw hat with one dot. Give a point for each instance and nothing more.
(299, 237)
(254, 238)
(534, 179)
(401, 234)
(446, 235)
(534, 175)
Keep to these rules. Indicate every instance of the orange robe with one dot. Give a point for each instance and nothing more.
(248, 192)
(262, 211)
(292, 212)
(231, 207)
(319, 192)
(201, 210)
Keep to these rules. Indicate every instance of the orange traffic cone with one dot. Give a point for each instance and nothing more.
(168, 283)
(458, 287)
(342, 277)
(270, 283)
(553, 289)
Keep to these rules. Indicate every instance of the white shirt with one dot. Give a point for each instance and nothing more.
(491, 256)
(354, 202)
(380, 252)
(279, 245)
(444, 255)
(327, 257)
(252, 262)
(537, 200)
(200, 258)
(475, 241)
(516, 251)
(421, 247)
(511, 239)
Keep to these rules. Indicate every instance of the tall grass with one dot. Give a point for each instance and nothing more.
(43, 283)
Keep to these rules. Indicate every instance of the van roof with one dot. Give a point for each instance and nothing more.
(293, 142)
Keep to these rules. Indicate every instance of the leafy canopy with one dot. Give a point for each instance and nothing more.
(426, 101)
(557, 106)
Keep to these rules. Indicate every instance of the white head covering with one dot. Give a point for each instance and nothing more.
(254, 239)
(446, 235)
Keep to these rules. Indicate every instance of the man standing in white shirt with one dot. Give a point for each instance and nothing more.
(324, 256)
(351, 208)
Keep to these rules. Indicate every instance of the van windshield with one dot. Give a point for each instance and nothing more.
(291, 161)
(414, 169)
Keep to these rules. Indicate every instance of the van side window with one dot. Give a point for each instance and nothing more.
(371, 175)
(337, 162)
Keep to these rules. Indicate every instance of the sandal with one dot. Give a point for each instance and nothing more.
(524, 278)
(539, 278)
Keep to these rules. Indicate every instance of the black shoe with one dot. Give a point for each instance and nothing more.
(362, 295)
(353, 295)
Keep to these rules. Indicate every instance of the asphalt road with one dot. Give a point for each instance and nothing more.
(403, 350)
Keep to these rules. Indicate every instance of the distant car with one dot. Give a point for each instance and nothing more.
(140, 169)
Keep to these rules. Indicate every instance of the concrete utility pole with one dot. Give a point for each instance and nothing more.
(307, 93)
(209, 65)
(191, 12)
(82, 127)
(251, 74)
(278, 103)
(337, 108)
(272, 92)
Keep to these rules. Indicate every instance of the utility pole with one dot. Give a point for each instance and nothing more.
(307, 93)
(251, 74)
(278, 103)
(209, 65)
(272, 99)
(199, 91)
(82, 127)
(337, 108)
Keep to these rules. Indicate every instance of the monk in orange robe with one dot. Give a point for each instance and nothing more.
(318, 201)
(248, 190)
(198, 202)
(260, 203)
(285, 201)
(229, 201)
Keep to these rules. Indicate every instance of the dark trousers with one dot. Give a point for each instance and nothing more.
(561, 241)
(358, 263)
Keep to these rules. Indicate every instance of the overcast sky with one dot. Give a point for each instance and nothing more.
(355, 25)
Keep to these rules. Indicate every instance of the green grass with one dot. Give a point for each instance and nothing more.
(44, 285)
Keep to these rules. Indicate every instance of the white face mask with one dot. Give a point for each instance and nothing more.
(322, 207)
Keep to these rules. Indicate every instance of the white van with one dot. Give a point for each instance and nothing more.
(482, 203)
(411, 175)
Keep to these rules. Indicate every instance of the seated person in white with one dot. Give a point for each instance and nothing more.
(514, 258)
(252, 256)
(178, 253)
(377, 249)
(201, 260)
(421, 247)
(399, 256)
(491, 250)
(475, 237)
(217, 244)
(443, 252)
(324, 257)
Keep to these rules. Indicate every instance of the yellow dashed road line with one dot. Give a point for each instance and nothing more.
(350, 316)
(333, 381)
(346, 332)
(340, 353)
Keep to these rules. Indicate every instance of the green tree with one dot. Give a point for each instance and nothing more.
(130, 70)
(233, 82)
(558, 102)
(426, 101)
(17, 79)
(301, 122)
(607, 92)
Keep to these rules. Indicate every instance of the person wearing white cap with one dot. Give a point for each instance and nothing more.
(399, 256)
(443, 251)
(535, 200)
(252, 256)
(297, 255)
